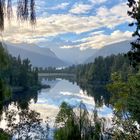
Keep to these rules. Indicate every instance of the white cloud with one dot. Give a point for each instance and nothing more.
(57, 24)
(98, 1)
(96, 32)
(119, 10)
(100, 40)
(60, 6)
(80, 8)
(66, 47)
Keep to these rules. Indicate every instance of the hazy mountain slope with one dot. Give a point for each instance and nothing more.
(72, 55)
(116, 48)
(40, 57)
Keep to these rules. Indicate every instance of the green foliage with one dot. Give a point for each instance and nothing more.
(20, 73)
(75, 124)
(29, 126)
(134, 97)
(68, 129)
(100, 71)
(4, 59)
(64, 114)
(126, 100)
(5, 91)
(134, 13)
(120, 90)
(124, 86)
(4, 135)
(16, 72)
(125, 94)
(124, 126)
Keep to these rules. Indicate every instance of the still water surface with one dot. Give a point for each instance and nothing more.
(62, 90)
(47, 101)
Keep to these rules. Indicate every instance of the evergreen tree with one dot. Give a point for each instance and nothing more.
(134, 13)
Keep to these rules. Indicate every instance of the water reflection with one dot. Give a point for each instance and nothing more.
(99, 92)
(70, 92)
(47, 101)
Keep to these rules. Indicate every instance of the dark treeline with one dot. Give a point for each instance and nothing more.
(15, 74)
(100, 71)
(97, 72)
(57, 70)
(47, 70)
(20, 73)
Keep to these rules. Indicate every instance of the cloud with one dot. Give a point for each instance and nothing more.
(97, 32)
(101, 40)
(60, 6)
(118, 10)
(58, 24)
(98, 1)
(80, 8)
(66, 47)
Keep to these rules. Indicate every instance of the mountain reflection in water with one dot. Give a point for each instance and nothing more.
(61, 90)
(47, 101)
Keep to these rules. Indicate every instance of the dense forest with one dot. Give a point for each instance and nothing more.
(99, 72)
(15, 74)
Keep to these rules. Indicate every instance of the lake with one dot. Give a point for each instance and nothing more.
(47, 101)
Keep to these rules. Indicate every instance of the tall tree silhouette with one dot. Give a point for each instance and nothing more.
(25, 11)
(134, 13)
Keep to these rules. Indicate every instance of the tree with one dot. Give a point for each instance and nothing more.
(134, 98)
(4, 58)
(67, 127)
(29, 126)
(4, 62)
(25, 11)
(134, 13)
(125, 99)
(77, 124)
(119, 90)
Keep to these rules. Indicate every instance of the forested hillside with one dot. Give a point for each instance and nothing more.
(100, 71)
(16, 74)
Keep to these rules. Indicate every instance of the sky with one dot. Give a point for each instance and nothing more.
(79, 24)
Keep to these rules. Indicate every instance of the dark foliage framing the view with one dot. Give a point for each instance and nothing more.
(25, 11)
(134, 13)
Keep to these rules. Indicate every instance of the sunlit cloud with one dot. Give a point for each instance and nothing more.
(60, 6)
(80, 8)
(53, 25)
(98, 1)
(101, 40)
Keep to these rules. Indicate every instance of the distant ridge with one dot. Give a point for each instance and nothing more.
(116, 48)
(39, 57)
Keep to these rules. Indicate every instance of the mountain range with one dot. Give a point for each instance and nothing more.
(55, 56)
(39, 57)
(116, 48)
(76, 56)
(72, 55)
